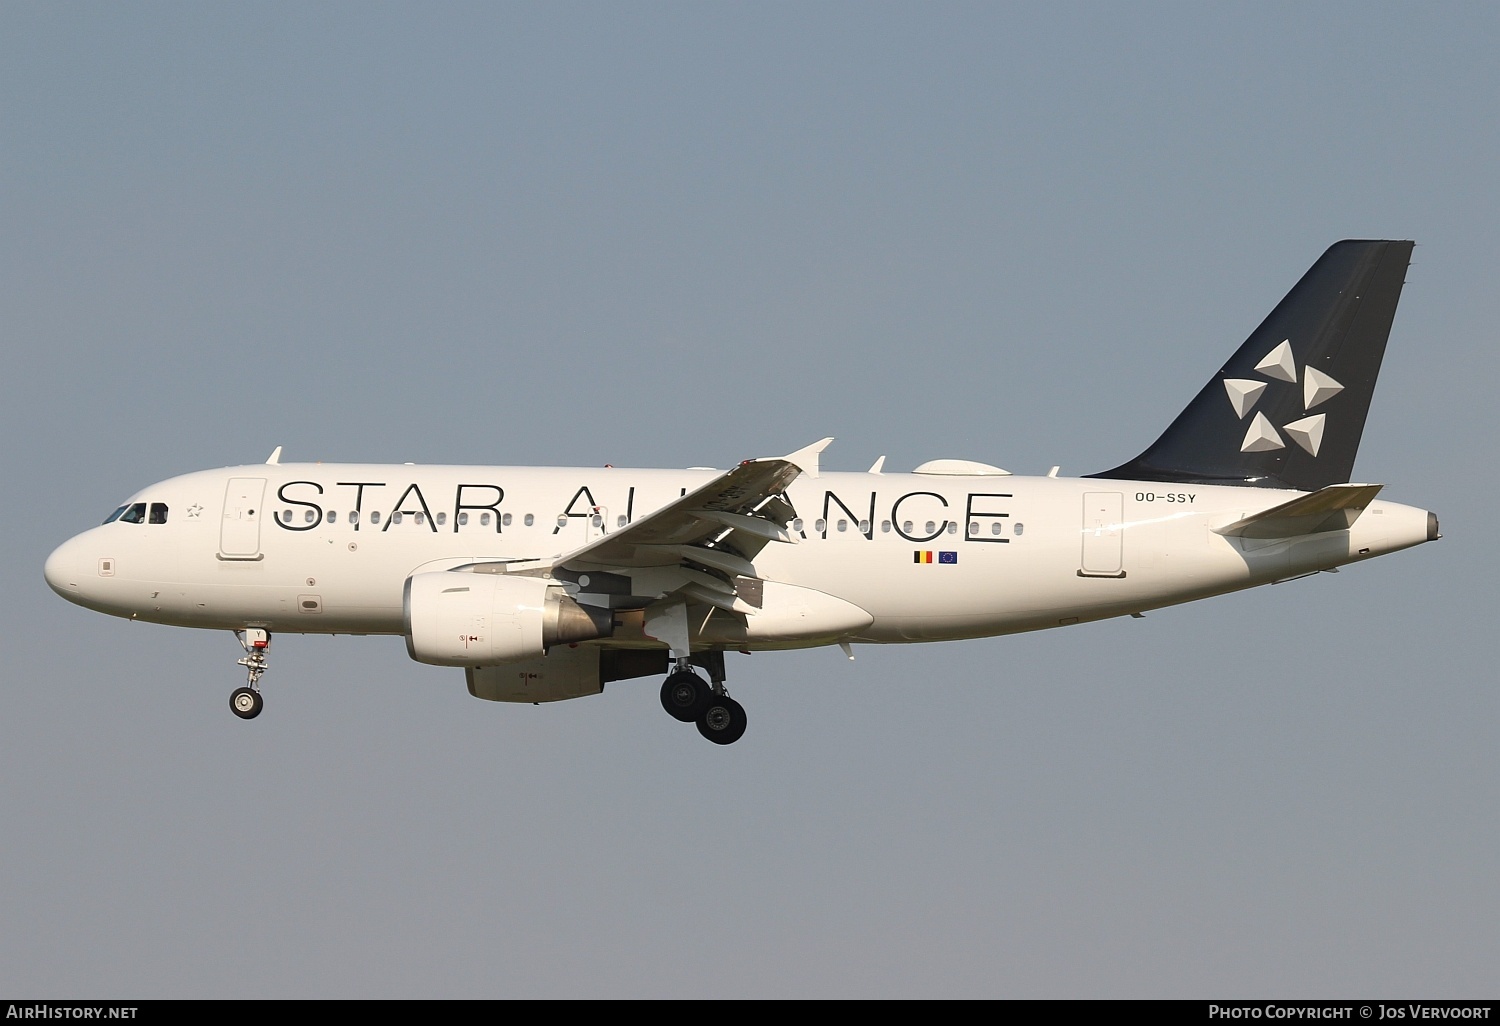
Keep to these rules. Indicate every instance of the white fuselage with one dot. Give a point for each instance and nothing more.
(327, 548)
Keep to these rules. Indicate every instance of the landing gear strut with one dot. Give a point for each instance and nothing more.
(689, 698)
(246, 702)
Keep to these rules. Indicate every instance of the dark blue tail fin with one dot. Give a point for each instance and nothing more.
(1288, 409)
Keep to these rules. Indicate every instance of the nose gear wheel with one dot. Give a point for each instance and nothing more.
(245, 703)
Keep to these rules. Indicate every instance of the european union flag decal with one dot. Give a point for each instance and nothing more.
(947, 557)
(925, 556)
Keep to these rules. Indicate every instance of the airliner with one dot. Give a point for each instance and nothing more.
(547, 583)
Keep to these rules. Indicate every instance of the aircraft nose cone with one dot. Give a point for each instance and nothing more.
(61, 570)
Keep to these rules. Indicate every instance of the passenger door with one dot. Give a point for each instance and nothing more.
(239, 530)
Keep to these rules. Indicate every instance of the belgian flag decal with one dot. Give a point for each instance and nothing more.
(927, 556)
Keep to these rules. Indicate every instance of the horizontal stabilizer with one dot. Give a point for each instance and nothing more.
(1334, 508)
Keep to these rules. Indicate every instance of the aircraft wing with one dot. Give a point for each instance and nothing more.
(721, 526)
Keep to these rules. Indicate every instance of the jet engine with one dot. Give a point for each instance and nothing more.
(479, 619)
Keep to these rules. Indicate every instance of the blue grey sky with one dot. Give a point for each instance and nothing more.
(688, 234)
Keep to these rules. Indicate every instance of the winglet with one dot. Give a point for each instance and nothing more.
(806, 459)
(275, 456)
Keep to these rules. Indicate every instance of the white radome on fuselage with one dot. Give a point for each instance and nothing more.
(1007, 553)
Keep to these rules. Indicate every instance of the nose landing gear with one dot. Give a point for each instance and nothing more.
(246, 702)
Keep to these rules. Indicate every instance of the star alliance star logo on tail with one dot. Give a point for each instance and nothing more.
(1280, 365)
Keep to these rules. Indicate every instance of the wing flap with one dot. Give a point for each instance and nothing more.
(714, 559)
(699, 549)
(740, 511)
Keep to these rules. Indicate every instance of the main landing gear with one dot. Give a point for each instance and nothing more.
(689, 698)
(246, 702)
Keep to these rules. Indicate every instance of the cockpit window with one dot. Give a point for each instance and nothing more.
(158, 513)
(115, 515)
(135, 513)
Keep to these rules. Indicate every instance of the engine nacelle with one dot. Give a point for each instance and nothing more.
(480, 619)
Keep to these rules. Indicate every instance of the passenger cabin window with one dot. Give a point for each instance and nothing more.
(135, 513)
(463, 518)
(333, 517)
(354, 516)
(441, 518)
(484, 520)
(820, 526)
(311, 516)
(374, 516)
(158, 513)
(530, 520)
(885, 527)
(620, 521)
(505, 520)
(797, 525)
